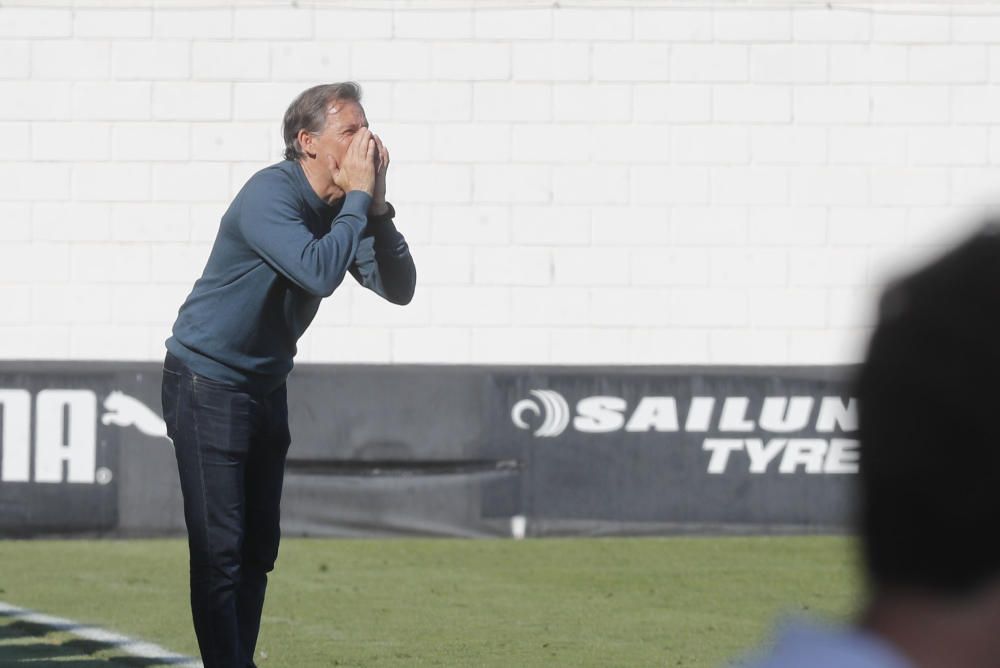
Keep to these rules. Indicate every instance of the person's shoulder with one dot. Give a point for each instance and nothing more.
(273, 183)
(277, 174)
(801, 642)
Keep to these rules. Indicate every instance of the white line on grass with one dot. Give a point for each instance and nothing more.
(132, 646)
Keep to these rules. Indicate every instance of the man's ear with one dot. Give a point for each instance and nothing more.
(307, 143)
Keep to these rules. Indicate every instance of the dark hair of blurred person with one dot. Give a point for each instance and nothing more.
(928, 512)
(929, 477)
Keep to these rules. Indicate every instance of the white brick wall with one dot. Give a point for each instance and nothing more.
(652, 184)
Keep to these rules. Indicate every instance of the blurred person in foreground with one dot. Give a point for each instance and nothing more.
(929, 478)
(288, 239)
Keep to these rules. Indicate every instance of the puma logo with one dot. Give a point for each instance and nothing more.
(125, 411)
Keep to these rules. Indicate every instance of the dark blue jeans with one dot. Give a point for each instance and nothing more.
(230, 448)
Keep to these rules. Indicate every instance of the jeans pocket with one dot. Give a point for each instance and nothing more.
(222, 418)
(169, 395)
(279, 420)
(213, 384)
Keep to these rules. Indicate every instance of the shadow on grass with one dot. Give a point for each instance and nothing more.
(32, 644)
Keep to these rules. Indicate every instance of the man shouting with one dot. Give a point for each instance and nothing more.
(287, 240)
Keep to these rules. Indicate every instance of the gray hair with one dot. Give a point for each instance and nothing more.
(308, 112)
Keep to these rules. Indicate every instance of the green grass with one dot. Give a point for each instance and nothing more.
(568, 602)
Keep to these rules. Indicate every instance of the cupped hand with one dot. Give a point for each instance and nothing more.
(357, 170)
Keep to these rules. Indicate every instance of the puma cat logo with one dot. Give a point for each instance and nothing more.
(125, 411)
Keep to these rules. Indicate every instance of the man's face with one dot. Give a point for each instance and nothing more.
(343, 120)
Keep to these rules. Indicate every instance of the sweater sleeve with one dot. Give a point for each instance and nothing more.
(383, 263)
(271, 224)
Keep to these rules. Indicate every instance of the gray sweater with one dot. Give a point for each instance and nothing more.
(279, 250)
